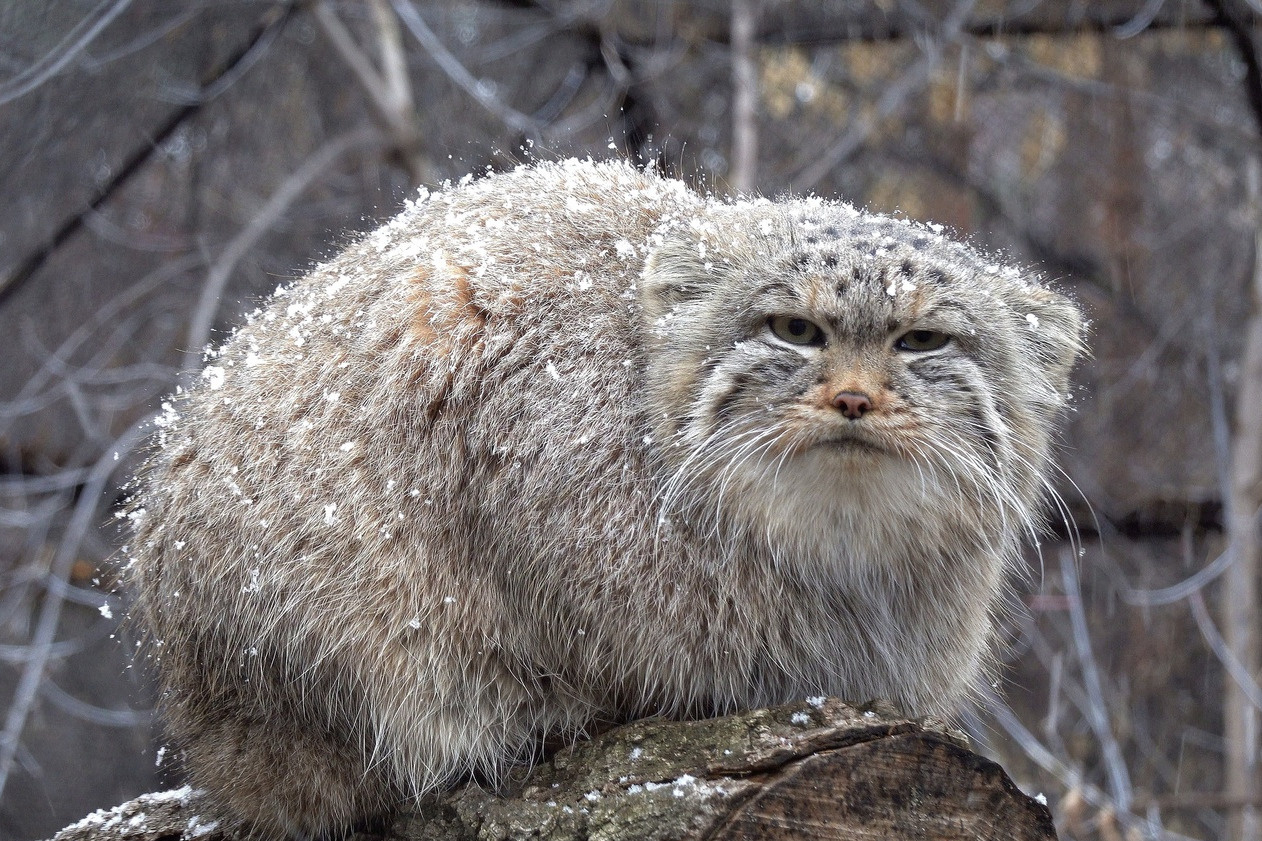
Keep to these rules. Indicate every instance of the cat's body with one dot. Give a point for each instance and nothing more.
(549, 449)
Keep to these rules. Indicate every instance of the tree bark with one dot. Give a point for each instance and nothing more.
(813, 770)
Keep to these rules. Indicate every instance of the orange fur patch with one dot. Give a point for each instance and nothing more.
(422, 321)
(445, 303)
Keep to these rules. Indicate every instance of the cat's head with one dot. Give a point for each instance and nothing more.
(825, 364)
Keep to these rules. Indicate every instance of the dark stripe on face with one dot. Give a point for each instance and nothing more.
(972, 405)
(726, 405)
(937, 374)
(780, 287)
(983, 430)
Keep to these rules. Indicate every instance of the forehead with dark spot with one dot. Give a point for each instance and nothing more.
(864, 251)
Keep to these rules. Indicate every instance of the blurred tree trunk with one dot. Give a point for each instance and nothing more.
(1240, 584)
(744, 97)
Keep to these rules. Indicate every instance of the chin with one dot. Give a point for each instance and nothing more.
(850, 499)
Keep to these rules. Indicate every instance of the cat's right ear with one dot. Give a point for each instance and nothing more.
(676, 273)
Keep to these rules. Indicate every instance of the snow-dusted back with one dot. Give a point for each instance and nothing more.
(571, 445)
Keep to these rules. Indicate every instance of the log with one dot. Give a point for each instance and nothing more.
(818, 769)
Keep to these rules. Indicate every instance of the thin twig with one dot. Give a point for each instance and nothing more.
(1070, 777)
(14, 278)
(29, 398)
(389, 90)
(76, 40)
(287, 193)
(358, 63)
(1097, 713)
(85, 513)
(1142, 20)
(1184, 589)
(892, 99)
(457, 72)
(1209, 631)
(101, 716)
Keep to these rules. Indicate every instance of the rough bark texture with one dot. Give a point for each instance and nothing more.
(813, 770)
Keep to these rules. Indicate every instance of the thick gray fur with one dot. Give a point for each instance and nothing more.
(531, 458)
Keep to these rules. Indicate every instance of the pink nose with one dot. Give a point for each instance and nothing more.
(852, 404)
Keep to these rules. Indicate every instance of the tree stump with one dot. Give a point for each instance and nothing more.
(818, 769)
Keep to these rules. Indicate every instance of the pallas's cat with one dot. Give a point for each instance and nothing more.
(574, 444)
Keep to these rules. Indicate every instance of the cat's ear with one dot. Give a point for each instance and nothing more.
(1055, 328)
(676, 272)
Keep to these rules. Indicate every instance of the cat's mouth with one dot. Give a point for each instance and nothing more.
(851, 443)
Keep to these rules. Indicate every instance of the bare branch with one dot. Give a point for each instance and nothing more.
(1235, 669)
(26, 485)
(893, 98)
(29, 398)
(1097, 713)
(66, 702)
(1184, 589)
(97, 63)
(83, 33)
(286, 194)
(1070, 776)
(477, 88)
(394, 66)
(1142, 20)
(389, 90)
(84, 517)
(12, 278)
(340, 37)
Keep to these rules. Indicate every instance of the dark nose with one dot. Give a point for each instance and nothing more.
(853, 404)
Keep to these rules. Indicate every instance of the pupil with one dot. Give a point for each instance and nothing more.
(797, 327)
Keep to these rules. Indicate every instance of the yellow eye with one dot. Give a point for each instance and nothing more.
(922, 340)
(796, 331)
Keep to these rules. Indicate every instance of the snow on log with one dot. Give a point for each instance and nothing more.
(818, 769)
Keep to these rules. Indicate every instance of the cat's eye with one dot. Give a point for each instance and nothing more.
(922, 340)
(795, 330)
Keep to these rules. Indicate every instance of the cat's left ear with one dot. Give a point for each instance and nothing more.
(676, 272)
(1056, 329)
